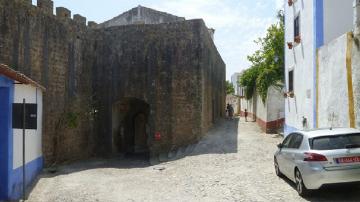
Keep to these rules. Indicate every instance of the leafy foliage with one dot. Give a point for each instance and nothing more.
(229, 88)
(267, 63)
(248, 81)
(72, 120)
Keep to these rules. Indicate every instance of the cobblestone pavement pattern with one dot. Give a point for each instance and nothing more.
(234, 162)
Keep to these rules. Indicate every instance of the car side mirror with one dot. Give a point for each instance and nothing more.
(280, 146)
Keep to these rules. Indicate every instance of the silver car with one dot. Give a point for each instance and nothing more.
(319, 157)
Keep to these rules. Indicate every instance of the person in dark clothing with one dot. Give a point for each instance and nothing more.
(228, 110)
(231, 112)
(246, 114)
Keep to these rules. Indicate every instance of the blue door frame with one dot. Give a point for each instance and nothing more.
(6, 95)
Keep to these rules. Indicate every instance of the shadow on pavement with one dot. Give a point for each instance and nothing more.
(333, 193)
(126, 161)
(221, 139)
(340, 193)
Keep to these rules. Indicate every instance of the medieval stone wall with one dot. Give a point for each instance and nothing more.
(212, 83)
(173, 67)
(50, 50)
(141, 15)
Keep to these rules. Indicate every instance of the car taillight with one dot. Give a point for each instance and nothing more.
(314, 157)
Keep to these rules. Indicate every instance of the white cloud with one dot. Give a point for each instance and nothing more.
(237, 24)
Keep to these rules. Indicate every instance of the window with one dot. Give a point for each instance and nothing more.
(297, 27)
(291, 81)
(287, 141)
(296, 141)
(293, 141)
(335, 142)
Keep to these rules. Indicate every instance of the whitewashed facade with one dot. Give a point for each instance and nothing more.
(309, 25)
(15, 88)
(235, 82)
(269, 115)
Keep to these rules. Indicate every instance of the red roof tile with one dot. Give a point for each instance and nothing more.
(17, 76)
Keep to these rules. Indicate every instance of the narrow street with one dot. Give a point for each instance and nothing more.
(234, 162)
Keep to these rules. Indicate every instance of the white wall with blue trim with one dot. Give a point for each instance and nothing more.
(300, 59)
(321, 21)
(11, 171)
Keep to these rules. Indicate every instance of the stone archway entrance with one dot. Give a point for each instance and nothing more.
(130, 128)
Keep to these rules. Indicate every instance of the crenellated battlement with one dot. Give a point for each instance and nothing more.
(79, 19)
(47, 6)
(27, 2)
(92, 24)
(63, 13)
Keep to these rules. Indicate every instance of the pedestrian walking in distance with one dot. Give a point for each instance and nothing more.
(246, 114)
(231, 112)
(228, 110)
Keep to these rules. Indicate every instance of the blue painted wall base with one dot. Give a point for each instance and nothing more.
(33, 168)
(6, 141)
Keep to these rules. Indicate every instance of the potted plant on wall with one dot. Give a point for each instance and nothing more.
(297, 39)
(291, 94)
(290, 45)
(291, 2)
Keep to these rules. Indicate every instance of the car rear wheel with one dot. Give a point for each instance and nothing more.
(277, 169)
(300, 187)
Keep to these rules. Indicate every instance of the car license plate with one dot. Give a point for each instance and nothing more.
(354, 159)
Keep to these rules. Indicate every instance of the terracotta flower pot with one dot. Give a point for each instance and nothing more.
(291, 94)
(290, 45)
(290, 2)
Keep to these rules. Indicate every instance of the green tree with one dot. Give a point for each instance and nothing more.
(229, 88)
(267, 63)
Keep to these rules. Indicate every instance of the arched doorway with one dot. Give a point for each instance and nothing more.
(130, 128)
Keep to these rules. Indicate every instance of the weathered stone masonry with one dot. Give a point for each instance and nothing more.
(172, 67)
(51, 50)
(141, 15)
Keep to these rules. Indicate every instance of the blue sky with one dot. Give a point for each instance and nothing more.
(237, 22)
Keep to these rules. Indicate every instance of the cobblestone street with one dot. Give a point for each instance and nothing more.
(234, 162)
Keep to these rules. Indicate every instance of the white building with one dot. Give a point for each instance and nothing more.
(269, 115)
(15, 88)
(309, 26)
(234, 80)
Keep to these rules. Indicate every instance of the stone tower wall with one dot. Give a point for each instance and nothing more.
(174, 67)
(51, 50)
(141, 15)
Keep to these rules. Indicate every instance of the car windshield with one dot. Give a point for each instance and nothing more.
(335, 142)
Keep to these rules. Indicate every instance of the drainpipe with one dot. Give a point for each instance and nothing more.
(356, 6)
